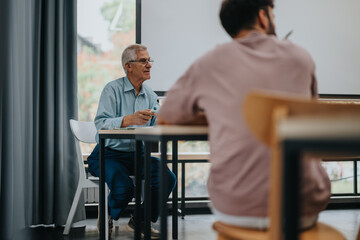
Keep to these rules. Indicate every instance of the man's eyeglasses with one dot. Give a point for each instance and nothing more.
(144, 61)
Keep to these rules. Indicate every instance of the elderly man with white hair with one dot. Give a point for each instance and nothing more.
(127, 102)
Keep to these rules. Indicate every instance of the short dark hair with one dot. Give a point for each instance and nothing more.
(237, 15)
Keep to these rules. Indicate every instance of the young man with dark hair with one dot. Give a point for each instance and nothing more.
(216, 85)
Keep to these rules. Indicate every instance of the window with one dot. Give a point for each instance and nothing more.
(343, 177)
(196, 173)
(105, 28)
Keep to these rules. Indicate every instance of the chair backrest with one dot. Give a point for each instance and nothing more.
(262, 105)
(83, 132)
(262, 110)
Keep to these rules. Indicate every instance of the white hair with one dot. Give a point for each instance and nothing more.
(129, 54)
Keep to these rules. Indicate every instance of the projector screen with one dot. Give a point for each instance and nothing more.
(179, 32)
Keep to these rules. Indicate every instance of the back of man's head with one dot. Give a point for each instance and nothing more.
(238, 15)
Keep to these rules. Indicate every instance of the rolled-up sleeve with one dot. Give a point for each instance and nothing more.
(106, 115)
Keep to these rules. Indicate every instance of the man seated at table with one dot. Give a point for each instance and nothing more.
(217, 84)
(127, 102)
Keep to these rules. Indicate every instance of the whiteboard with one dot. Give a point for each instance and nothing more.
(179, 32)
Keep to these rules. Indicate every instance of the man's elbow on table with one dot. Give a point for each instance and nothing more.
(200, 119)
(161, 121)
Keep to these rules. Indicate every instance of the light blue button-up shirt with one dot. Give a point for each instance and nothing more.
(117, 100)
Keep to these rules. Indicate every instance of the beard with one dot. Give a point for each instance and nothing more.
(271, 30)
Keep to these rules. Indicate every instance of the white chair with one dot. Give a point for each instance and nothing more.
(83, 132)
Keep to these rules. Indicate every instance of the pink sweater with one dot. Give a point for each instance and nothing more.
(217, 83)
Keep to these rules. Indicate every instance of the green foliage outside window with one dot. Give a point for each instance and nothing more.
(96, 68)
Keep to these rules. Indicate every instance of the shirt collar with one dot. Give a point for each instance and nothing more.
(130, 87)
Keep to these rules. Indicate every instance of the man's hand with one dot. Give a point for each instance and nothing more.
(138, 118)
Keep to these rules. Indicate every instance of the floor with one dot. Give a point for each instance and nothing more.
(193, 227)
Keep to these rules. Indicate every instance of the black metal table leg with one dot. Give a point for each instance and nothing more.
(291, 183)
(138, 187)
(147, 188)
(102, 189)
(163, 135)
(163, 197)
(182, 190)
(175, 192)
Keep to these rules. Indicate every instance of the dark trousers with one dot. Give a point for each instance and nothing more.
(119, 166)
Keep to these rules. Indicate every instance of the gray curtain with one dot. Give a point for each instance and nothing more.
(38, 171)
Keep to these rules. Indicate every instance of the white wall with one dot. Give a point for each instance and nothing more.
(178, 32)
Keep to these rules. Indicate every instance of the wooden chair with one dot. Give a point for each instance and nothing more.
(262, 111)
